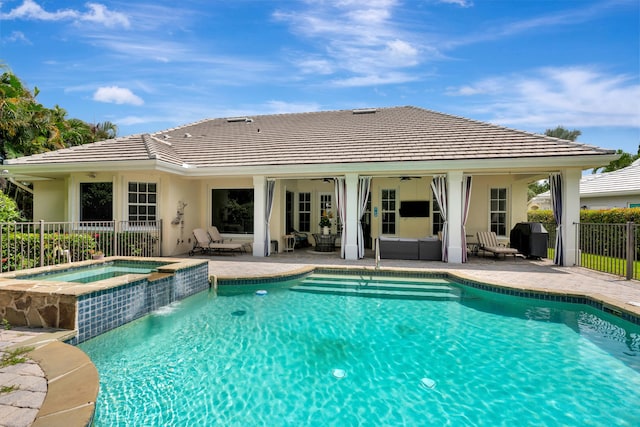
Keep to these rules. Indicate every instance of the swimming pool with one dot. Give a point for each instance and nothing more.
(96, 272)
(303, 358)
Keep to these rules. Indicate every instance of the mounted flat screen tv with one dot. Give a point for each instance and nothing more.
(414, 209)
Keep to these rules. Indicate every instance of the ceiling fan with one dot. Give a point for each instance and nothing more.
(409, 178)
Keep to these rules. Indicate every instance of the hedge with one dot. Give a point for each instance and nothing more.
(591, 216)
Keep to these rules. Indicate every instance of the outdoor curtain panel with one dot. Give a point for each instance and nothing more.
(364, 188)
(271, 185)
(340, 206)
(466, 197)
(439, 187)
(555, 183)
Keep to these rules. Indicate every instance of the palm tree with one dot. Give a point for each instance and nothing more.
(104, 130)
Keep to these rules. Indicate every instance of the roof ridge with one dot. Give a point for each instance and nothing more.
(149, 145)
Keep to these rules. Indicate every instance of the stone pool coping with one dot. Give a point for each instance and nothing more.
(72, 383)
(11, 280)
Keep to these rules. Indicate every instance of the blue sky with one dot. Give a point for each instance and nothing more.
(149, 66)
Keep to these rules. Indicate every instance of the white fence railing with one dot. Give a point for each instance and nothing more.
(38, 244)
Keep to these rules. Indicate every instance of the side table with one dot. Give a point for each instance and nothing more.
(289, 243)
(325, 242)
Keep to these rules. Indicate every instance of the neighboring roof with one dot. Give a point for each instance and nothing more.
(394, 134)
(621, 181)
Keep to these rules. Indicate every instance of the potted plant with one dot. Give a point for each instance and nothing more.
(325, 223)
(96, 254)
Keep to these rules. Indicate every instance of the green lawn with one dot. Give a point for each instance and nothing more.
(605, 264)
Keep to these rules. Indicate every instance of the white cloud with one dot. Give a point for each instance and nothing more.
(29, 9)
(117, 95)
(573, 96)
(97, 13)
(282, 107)
(461, 3)
(374, 80)
(17, 36)
(356, 38)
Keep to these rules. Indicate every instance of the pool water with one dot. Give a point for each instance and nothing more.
(97, 272)
(306, 359)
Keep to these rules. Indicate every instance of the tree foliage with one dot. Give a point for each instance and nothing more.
(563, 133)
(27, 127)
(623, 161)
(8, 209)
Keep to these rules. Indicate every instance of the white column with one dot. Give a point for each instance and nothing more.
(352, 220)
(259, 209)
(570, 212)
(454, 216)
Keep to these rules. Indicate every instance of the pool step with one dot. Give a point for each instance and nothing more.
(381, 287)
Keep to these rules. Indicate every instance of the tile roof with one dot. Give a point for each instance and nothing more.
(346, 136)
(625, 180)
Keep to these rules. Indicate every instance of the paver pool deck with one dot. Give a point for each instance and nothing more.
(37, 402)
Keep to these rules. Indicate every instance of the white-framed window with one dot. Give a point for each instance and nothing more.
(96, 201)
(304, 212)
(388, 211)
(143, 201)
(498, 211)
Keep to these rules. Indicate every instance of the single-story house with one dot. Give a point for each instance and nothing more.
(616, 189)
(402, 171)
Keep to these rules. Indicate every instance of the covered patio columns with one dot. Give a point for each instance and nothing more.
(570, 213)
(352, 220)
(454, 216)
(259, 209)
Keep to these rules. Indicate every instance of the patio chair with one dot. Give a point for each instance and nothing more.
(218, 238)
(301, 239)
(206, 244)
(488, 242)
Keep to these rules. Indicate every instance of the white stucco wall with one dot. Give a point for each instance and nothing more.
(609, 202)
(50, 200)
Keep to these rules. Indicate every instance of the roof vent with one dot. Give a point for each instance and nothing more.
(239, 119)
(187, 135)
(364, 111)
(165, 136)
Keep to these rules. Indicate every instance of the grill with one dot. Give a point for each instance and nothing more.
(530, 239)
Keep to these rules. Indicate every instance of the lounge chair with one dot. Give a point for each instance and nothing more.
(206, 243)
(488, 242)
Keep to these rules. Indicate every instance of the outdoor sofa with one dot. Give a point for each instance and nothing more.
(427, 248)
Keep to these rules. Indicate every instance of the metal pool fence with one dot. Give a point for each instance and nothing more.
(39, 244)
(611, 248)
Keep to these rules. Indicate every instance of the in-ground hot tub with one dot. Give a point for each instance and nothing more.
(80, 297)
(96, 272)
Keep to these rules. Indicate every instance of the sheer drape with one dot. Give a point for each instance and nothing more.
(341, 208)
(439, 187)
(555, 184)
(466, 197)
(271, 185)
(364, 187)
